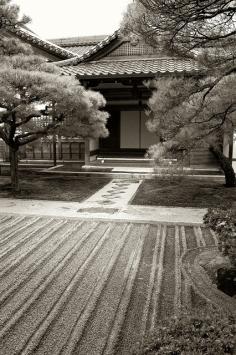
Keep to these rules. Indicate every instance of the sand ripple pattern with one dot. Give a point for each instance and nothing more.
(89, 287)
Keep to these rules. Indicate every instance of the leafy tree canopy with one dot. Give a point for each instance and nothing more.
(9, 15)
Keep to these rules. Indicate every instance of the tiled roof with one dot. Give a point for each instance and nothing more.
(91, 52)
(99, 46)
(132, 67)
(78, 41)
(79, 45)
(79, 50)
(31, 37)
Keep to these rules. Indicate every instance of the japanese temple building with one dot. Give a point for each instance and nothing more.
(117, 67)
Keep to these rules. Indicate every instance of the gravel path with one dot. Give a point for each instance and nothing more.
(89, 287)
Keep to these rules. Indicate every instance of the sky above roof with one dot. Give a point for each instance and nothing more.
(60, 18)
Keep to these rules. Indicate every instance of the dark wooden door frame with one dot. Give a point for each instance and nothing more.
(112, 142)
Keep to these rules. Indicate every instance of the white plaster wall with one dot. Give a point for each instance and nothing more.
(234, 145)
(226, 146)
(93, 157)
(93, 144)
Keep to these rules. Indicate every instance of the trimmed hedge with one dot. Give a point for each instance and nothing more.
(191, 334)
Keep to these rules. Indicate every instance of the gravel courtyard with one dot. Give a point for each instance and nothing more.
(89, 287)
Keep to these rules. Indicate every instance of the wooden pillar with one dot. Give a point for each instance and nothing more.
(41, 149)
(86, 151)
(54, 149)
(140, 123)
(70, 150)
(59, 147)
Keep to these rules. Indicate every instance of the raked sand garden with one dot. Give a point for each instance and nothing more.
(92, 287)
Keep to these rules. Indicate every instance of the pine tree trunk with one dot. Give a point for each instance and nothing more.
(14, 169)
(226, 166)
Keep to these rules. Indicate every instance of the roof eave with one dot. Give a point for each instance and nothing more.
(134, 75)
(41, 43)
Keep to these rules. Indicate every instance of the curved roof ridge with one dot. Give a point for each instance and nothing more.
(90, 52)
(35, 39)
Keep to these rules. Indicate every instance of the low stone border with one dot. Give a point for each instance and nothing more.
(201, 282)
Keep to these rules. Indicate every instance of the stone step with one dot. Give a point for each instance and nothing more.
(124, 161)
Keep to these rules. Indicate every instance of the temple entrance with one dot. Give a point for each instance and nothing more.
(134, 133)
(112, 142)
(128, 134)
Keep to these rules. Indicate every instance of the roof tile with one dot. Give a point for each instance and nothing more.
(31, 37)
(79, 50)
(78, 41)
(131, 67)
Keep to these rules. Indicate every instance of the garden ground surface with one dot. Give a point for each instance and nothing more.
(185, 192)
(164, 191)
(71, 286)
(44, 187)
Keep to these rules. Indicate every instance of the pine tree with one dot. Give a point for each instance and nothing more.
(27, 83)
(198, 109)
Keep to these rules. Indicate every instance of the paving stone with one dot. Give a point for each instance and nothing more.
(98, 210)
(118, 192)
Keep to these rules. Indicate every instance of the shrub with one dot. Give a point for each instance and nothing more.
(223, 222)
(170, 164)
(171, 169)
(191, 334)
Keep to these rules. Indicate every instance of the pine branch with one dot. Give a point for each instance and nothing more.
(217, 81)
(4, 136)
(12, 125)
(29, 137)
(28, 118)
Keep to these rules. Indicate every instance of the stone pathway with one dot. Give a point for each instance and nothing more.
(110, 202)
(132, 213)
(116, 193)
